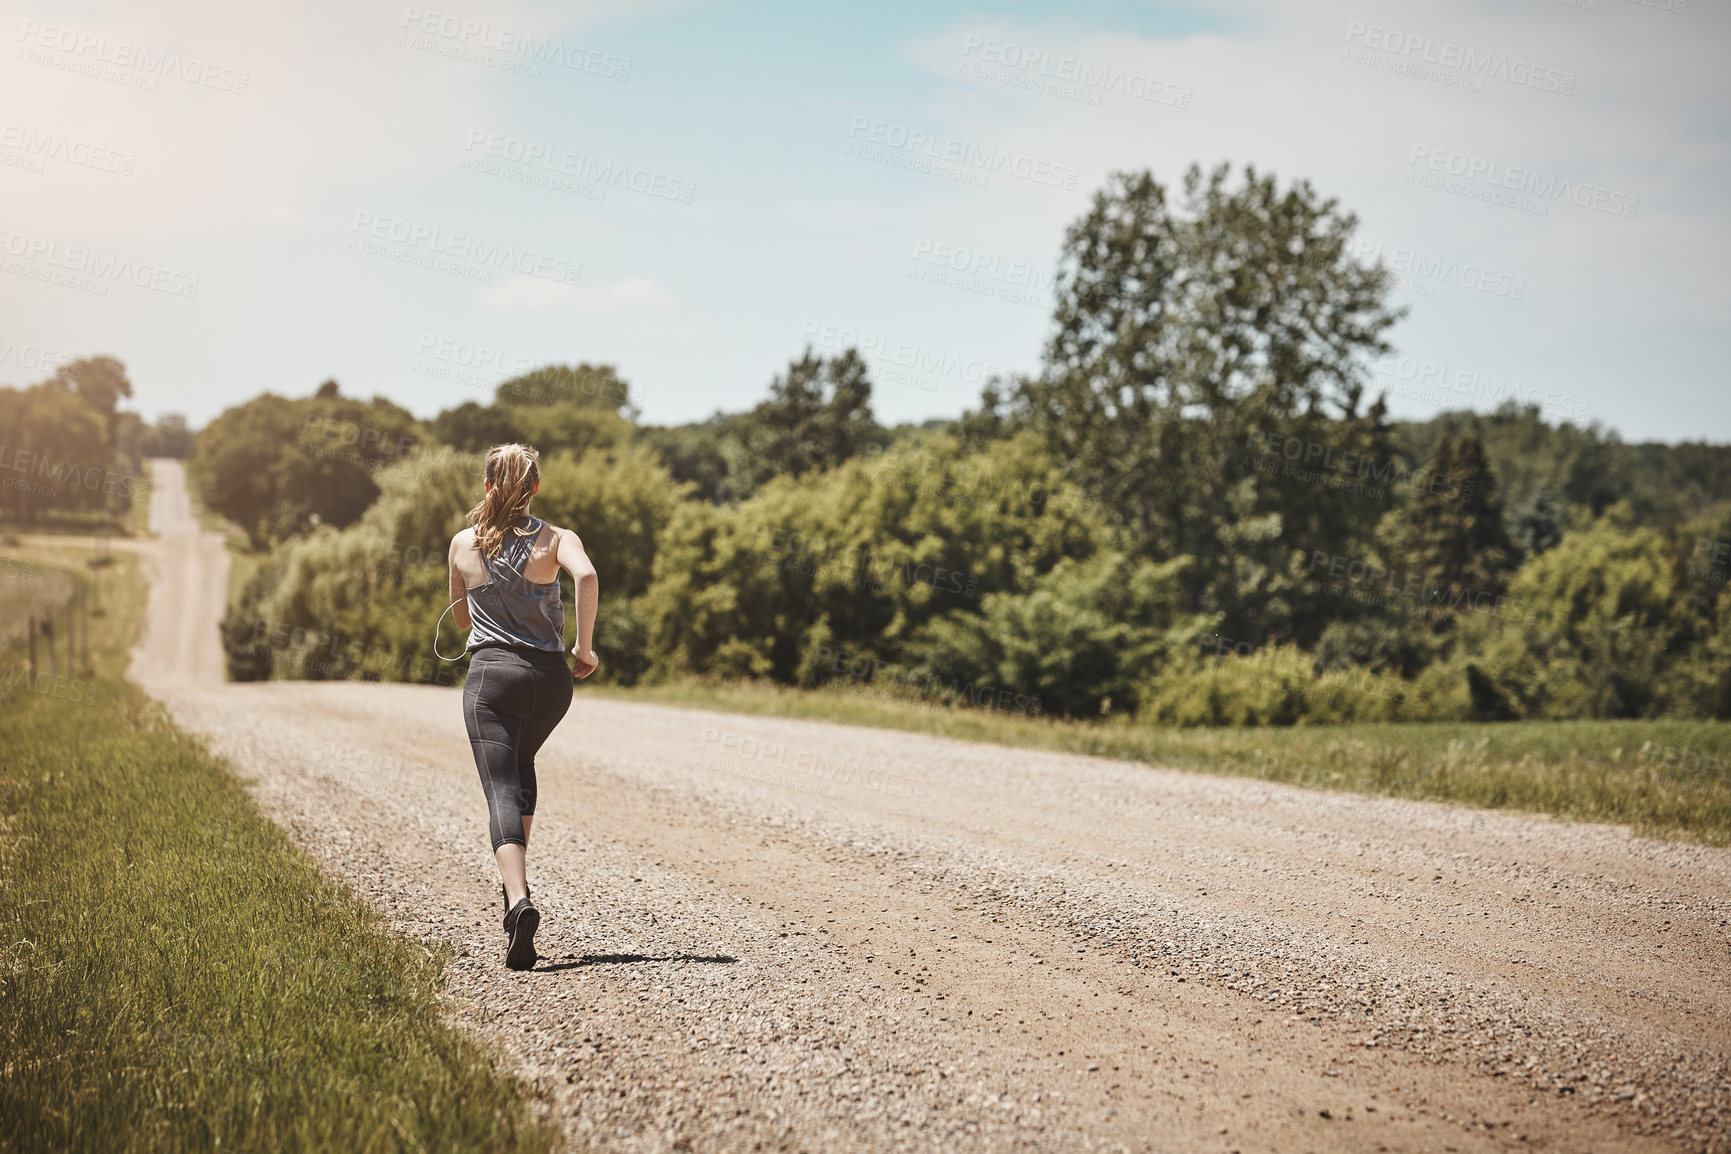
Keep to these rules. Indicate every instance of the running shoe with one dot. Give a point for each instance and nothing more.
(521, 924)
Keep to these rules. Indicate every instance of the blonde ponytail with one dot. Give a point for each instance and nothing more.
(511, 474)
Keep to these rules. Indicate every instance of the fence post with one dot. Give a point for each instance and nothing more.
(32, 634)
(84, 609)
(48, 639)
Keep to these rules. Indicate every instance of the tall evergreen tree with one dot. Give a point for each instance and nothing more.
(1452, 535)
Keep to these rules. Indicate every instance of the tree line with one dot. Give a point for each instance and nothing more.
(70, 457)
(1197, 511)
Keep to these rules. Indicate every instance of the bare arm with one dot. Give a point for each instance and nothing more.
(576, 562)
(459, 591)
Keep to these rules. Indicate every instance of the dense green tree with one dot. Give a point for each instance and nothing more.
(818, 415)
(1670, 484)
(1081, 640)
(556, 408)
(1451, 537)
(697, 454)
(1379, 642)
(277, 466)
(1697, 681)
(995, 419)
(584, 386)
(472, 427)
(52, 447)
(100, 382)
(1592, 625)
(1184, 338)
(857, 558)
(79, 453)
(360, 602)
(1539, 526)
(568, 427)
(1582, 470)
(168, 437)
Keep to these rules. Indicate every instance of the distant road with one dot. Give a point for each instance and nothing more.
(188, 573)
(779, 935)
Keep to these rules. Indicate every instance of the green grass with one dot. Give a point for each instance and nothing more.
(1668, 779)
(175, 975)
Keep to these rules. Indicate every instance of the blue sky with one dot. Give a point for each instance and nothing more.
(306, 162)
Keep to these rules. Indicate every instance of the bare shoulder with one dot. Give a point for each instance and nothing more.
(464, 539)
(561, 535)
(546, 539)
(569, 549)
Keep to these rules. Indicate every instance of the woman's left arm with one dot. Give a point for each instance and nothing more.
(575, 561)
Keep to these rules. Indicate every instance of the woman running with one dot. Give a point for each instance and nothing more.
(505, 591)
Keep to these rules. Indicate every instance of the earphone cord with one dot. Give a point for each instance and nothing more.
(436, 625)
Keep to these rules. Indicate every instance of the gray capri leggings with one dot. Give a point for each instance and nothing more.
(512, 699)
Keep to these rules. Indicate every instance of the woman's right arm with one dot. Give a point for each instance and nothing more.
(459, 590)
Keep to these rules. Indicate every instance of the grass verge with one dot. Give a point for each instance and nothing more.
(176, 975)
(1668, 779)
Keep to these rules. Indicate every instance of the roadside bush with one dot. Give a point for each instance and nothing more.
(858, 558)
(1277, 685)
(1080, 638)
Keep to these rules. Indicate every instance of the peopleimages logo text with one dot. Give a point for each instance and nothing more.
(83, 261)
(34, 357)
(459, 246)
(52, 146)
(1413, 263)
(973, 262)
(481, 34)
(1528, 182)
(901, 354)
(1448, 54)
(564, 162)
(90, 47)
(962, 153)
(1090, 78)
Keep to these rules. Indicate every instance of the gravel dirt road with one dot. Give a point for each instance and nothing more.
(762, 934)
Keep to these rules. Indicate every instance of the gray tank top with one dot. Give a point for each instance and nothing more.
(510, 609)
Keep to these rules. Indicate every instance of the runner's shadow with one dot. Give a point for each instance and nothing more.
(633, 959)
